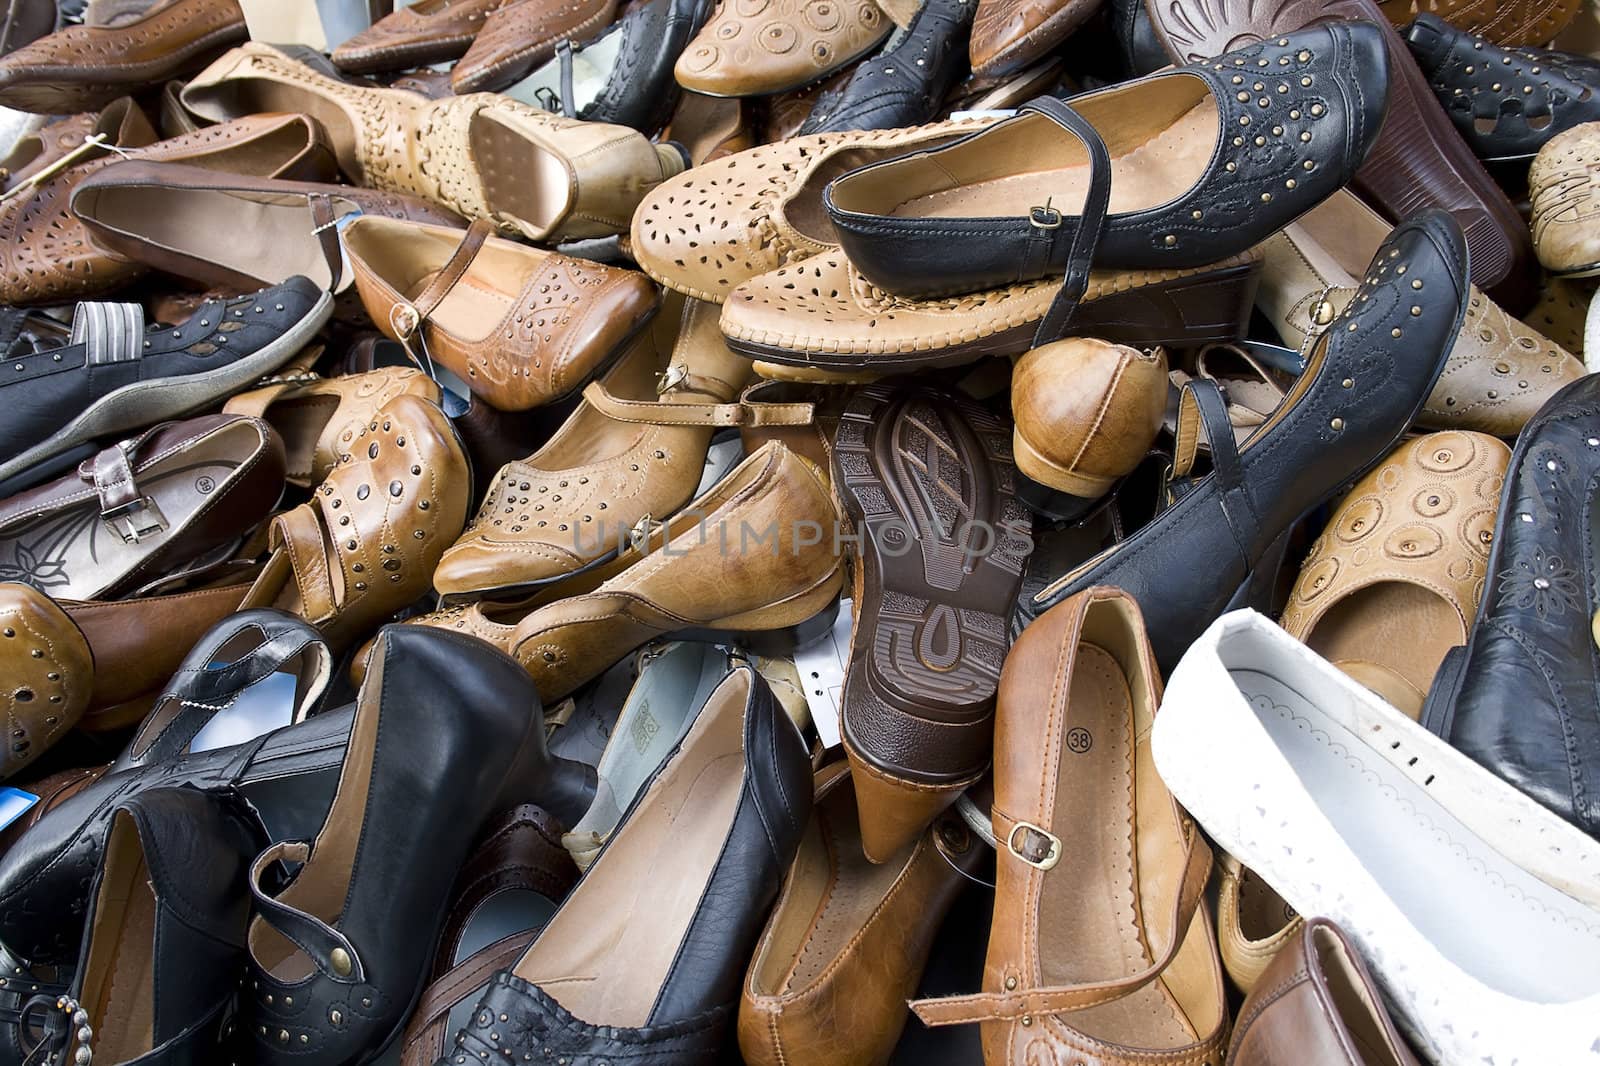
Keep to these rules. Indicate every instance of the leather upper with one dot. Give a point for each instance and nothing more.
(1526, 699)
(49, 672)
(1368, 377)
(1524, 95)
(83, 67)
(1324, 91)
(520, 35)
(1563, 188)
(432, 31)
(1505, 22)
(641, 91)
(1009, 35)
(752, 49)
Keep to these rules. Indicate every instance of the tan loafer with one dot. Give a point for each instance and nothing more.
(366, 543)
(722, 223)
(1394, 581)
(522, 327)
(635, 448)
(1499, 372)
(753, 49)
(1101, 947)
(1253, 922)
(425, 33)
(522, 34)
(847, 941)
(1561, 186)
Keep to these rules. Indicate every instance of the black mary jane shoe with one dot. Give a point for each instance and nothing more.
(906, 83)
(1176, 170)
(340, 955)
(1366, 376)
(158, 973)
(1505, 102)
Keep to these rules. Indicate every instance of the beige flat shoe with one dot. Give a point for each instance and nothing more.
(1253, 922)
(1562, 190)
(754, 49)
(1394, 581)
(1499, 372)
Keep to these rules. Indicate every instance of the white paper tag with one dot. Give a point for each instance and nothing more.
(821, 665)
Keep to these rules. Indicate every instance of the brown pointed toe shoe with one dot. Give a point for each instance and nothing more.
(522, 34)
(427, 32)
(1008, 35)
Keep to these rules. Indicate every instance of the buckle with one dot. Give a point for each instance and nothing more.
(1045, 217)
(1051, 856)
(671, 378)
(135, 520)
(639, 535)
(404, 320)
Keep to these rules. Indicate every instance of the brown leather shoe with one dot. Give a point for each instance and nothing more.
(520, 853)
(846, 943)
(427, 32)
(753, 49)
(143, 508)
(634, 449)
(1100, 950)
(122, 123)
(48, 256)
(1008, 35)
(522, 327)
(48, 670)
(367, 542)
(84, 67)
(1317, 1006)
(520, 35)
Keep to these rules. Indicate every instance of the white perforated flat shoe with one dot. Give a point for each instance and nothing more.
(1477, 909)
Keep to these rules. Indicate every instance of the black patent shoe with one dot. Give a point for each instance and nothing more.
(1176, 170)
(1366, 376)
(643, 963)
(1505, 102)
(624, 76)
(159, 971)
(1523, 696)
(906, 83)
(340, 955)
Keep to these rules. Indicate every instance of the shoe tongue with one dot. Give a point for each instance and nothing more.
(110, 333)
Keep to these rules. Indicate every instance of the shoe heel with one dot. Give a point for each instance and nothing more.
(1188, 311)
(771, 642)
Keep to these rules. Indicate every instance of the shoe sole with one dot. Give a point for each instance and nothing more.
(922, 475)
(1419, 160)
(145, 403)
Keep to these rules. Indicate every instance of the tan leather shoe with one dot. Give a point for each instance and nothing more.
(1394, 581)
(821, 314)
(49, 674)
(1086, 412)
(84, 67)
(1560, 310)
(1253, 922)
(48, 256)
(1499, 371)
(720, 224)
(1319, 1006)
(121, 122)
(1101, 949)
(634, 449)
(1008, 35)
(314, 414)
(1562, 188)
(427, 32)
(534, 173)
(366, 543)
(752, 49)
(522, 327)
(847, 941)
(522, 34)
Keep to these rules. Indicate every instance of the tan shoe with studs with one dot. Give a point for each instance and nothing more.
(758, 47)
(48, 671)
(1566, 202)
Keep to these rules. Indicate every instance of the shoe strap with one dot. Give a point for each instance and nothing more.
(426, 1031)
(744, 412)
(1201, 408)
(124, 507)
(325, 224)
(300, 534)
(569, 93)
(1048, 221)
(208, 686)
(328, 949)
(407, 318)
(1013, 841)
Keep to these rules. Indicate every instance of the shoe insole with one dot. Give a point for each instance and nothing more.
(301, 422)
(607, 952)
(520, 179)
(1262, 912)
(121, 1001)
(1390, 637)
(1546, 945)
(1091, 924)
(472, 310)
(1145, 176)
(254, 96)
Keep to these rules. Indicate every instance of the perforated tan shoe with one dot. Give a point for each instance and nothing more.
(722, 223)
(1253, 922)
(756, 47)
(1566, 202)
(427, 32)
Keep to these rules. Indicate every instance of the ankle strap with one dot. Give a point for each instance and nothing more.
(744, 412)
(407, 318)
(1091, 221)
(328, 949)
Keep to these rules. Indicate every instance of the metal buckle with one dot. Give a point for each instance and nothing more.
(1045, 217)
(548, 99)
(1051, 857)
(671, 378)
(132, 529)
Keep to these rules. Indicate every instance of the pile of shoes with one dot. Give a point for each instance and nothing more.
(799, 533)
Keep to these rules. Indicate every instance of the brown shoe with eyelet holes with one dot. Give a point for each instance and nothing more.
(425, 33)
(520, 35)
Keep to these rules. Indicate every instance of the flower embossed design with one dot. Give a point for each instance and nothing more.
(1544, 582)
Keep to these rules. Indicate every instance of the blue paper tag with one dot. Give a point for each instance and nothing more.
(14, 803)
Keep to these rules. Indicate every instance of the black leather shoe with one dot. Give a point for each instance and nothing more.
(636, 54)
(1505, 102)
(906, 83)
(1523, 696)
(1366, 377)
(159, 970)
(114, 374)
(642, 964)
(339, 957)
(1176, 170)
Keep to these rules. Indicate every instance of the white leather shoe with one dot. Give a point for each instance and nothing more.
(1477, 909)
